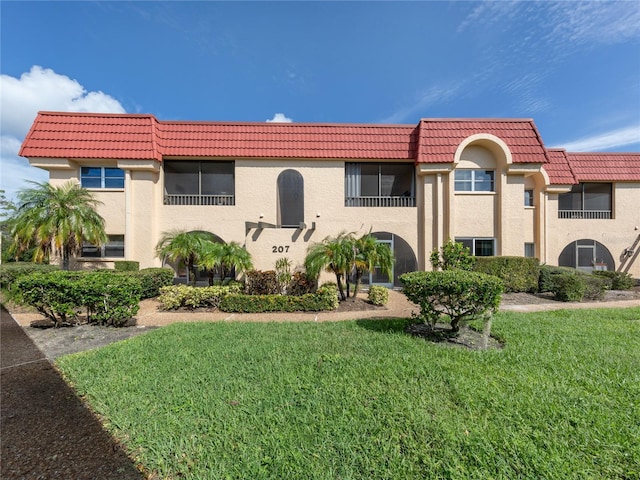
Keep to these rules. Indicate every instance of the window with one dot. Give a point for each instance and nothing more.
(101, 177)
(480, 247)
(528, 198)
(586, 200)
(474, 181)
(190, 182)
(114, 248)
(291, 199)
(379, 185)
(530, 250)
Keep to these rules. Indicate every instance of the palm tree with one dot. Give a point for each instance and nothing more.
(370, 254)
(226, 257)
(333, 254)
(234, 258)
(185, 245)
(211, 258)
(55, 220)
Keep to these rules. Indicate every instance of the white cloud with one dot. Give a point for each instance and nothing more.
(605, 141)
(21, 99)
(280, 118)
(430, 96)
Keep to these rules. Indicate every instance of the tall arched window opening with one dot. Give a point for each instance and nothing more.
(290, 199)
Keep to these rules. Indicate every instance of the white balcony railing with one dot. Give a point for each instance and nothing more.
(585, 214)
(199, 200)
(380, 202)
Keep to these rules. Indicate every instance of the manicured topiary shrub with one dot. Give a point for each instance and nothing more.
(619, 280)
(126, 266)
(178, 296)
(325, 298)
(519, 274)
(109, 299)
(548, 273)
(452, 256)
(568, 287)
(456, 295)
(378, 295)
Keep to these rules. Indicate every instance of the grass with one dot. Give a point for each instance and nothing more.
(361, 399)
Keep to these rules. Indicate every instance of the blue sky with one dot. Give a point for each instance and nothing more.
(573, 67)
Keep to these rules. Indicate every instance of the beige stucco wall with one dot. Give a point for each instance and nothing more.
(616, 234)
(257, 201)
(441, 213)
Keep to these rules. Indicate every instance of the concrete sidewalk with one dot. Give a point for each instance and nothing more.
(46, 432)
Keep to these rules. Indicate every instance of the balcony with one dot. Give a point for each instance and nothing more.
(585, 214)
(225, 200)
(403, 201)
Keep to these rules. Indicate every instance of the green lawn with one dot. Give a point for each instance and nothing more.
(363, 400)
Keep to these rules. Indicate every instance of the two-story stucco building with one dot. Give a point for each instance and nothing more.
(278, 187)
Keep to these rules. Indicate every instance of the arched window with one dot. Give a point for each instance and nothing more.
(290, 199)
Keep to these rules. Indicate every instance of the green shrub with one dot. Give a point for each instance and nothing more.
(519, 274)
(452, 255)
(547, 274)
(595, 287)
(9, 272)
(301, 283)
(326, 298)
(57, 295)
(152, 280)
(110, 299)
(126, 266)
(568, 287)
(262, 283)
(457, 294)
(378, 295)
(178, 296)
(619, 280)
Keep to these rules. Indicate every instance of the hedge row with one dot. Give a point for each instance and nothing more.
(179, 296)
(107, 298)
(519, 274)
(325, 298)
(9, 272)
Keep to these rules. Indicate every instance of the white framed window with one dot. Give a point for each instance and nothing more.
(101, 177)
(475, 181)
(480, 247)
(528, 198)
(114, 248)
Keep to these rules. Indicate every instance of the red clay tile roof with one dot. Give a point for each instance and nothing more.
(440, 138)
(605, 167)
(558, 168)
(91, 135)
(81, 135)
(286, 140)
(132, 136)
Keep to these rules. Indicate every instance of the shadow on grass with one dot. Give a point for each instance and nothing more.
(385, 325)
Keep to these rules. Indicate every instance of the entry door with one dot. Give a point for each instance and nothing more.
(378, 277)
(586, 256)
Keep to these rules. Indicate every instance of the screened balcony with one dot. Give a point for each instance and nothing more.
(189, 182)
(588, 201)
(379, 185)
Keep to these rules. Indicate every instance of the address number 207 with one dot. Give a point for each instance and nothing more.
(279, 248)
